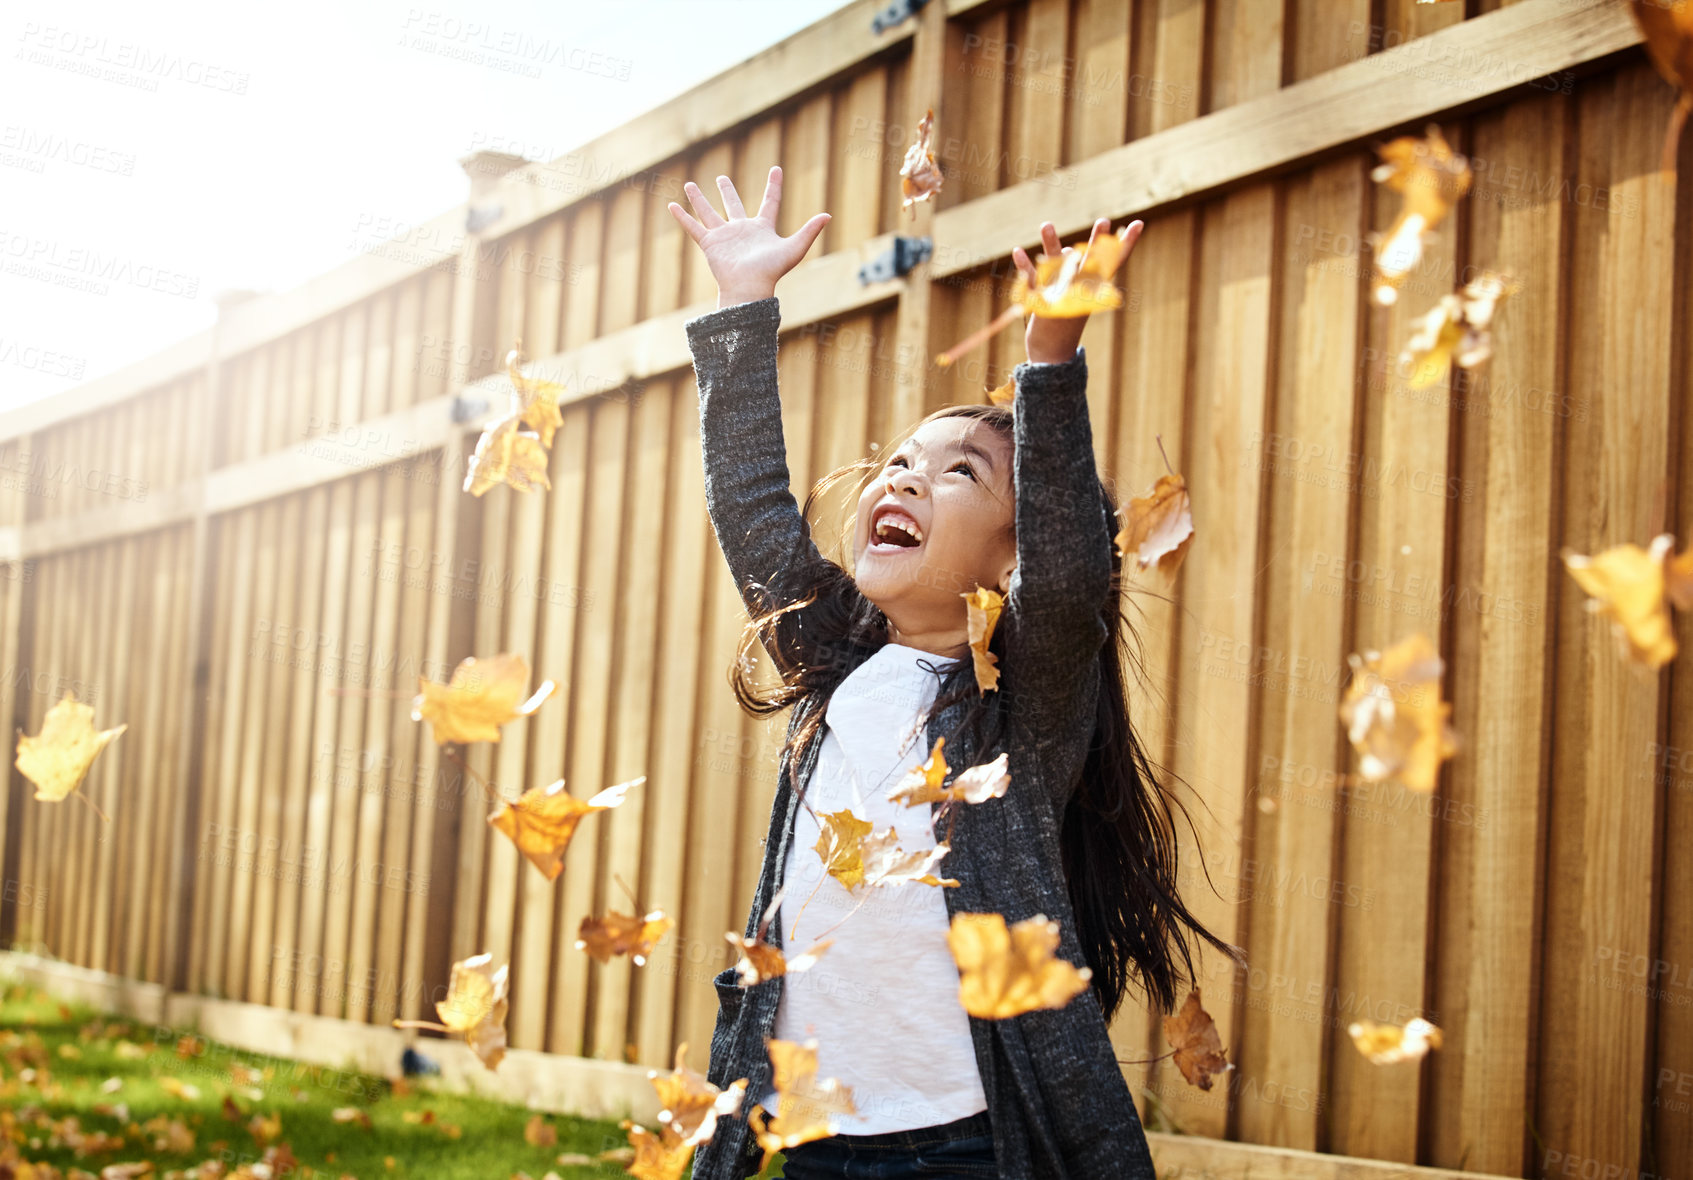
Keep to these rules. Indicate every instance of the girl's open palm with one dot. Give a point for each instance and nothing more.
(745, 254)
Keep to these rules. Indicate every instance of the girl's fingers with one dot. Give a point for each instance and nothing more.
(1027, 268)
(1049, 239)
(693, 228)
(772, 201)
(709, 217)
(731, 199)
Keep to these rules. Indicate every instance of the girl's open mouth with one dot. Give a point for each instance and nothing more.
(893, 531)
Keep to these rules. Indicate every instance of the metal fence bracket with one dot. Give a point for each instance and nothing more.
(894, 13)
(890, 264)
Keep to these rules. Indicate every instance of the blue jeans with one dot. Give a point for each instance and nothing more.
(962, 1149)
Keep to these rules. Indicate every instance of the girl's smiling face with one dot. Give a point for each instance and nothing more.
(938, 521)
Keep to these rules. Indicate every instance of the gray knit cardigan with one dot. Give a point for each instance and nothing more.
(1056, 1097)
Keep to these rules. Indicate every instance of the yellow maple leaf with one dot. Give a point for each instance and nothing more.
(1076, 283)
(690, 1104)
(840, 846)
(1457, 329)
(541, 821)
(806, 1109)
(656, 1157)
(760, 961)
(539, 399)
(982, 609)
(1394, 716)
(481, 696)
(1008, 971)
(57, 759)
(475, 1007)
(1628, 585)
(1005, 394)
(1386, 1044)
(1432, 178)
(1158, 526)
(919, 175)
(887, 864)
(622, 934)
(508, 455)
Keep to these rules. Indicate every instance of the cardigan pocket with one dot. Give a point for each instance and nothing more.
(731, 997)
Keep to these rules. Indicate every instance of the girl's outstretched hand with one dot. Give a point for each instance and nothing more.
(746, 254)
(1052, 340)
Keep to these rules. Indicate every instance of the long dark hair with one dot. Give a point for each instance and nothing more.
(1118, 837)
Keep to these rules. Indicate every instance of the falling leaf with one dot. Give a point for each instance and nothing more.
(57, 759)
(1678, 579)
(1158, 526)
(806, 1109)
(482, 696)
(538, 1132)
(1458, 328)
(1668, 27)
(887, 864)
(924, 783)
(1199, 1050)
(539, 398)
(475, 1007)
(982, 608)
(655, 1157)
(1006, 972)
(1005, 394)
(622, 934)
(919, 176)
(1386, 1044)
(691, 1105)
(1394, 716)
(1074, 283)
(542, 821)
(760, 961)
(840, 846)
(1628, 585)
(505, 454)
(1432, 178)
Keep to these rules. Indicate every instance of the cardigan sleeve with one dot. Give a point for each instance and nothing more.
(1064, 537)
(758, 523)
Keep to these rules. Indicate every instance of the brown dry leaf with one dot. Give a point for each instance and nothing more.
(539, 398)
(760, 961)
(1458, 328)
(1158, 526)
(919, 176)
(505, 454)
(1074, 284)
(655, 1157)
(351, 1114)
(1006, 972)
(806, 1109)
(1386, 1044)
(1628, 585)
(923, 783)
(57, 759)
(982, 609)
(109, 1172)
(691, 1104)
(265, 1130)
(1005, 394)
(1668, 26)
(1193, 1035)
(476, 1008)
(538, 1132)
(622, 934)
(841, 846)
(1394, 716)
(482, 696)
(887, 864)
(542, 821)
(1432, 178)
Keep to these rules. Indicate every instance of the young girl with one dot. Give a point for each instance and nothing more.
(876, 664)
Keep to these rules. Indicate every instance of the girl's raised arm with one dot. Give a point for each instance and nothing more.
(758, 523)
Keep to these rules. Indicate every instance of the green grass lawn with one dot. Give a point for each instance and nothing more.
(128, 1093)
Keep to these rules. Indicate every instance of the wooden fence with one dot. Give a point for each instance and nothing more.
(249, 547)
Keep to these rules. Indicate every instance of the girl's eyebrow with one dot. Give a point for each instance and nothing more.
(966, 446)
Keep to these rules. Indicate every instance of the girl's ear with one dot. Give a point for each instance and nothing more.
(1005, 577)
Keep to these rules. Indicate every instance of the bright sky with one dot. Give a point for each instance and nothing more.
(152, 155)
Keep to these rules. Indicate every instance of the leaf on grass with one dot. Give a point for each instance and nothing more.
(691, 1105)
(57, 759)
(538, 1132)
(475, 1008)
(887, 864)
(926, 782)
(622, 934)
(919, 176)
(481, 696)
(351, 1114)
(1432, 178)
(539, 399)
(1158, 526)
(1630, 586)
(1459, 328)
(1668, 28)
(110, 1171)
(841, 846)
(806, 1109)
(1386, 1044)
(982, 609)
(177, 1088)
(1199, 1050)
(542, 821)
(506, 455)
(1394, 716)
(1008, 971)
(265, 1130)
(760, 961)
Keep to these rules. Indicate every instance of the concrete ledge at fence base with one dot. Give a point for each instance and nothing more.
(540, 1081)
(1195, 1157)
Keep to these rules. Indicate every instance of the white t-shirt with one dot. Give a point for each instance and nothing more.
(883, 999)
